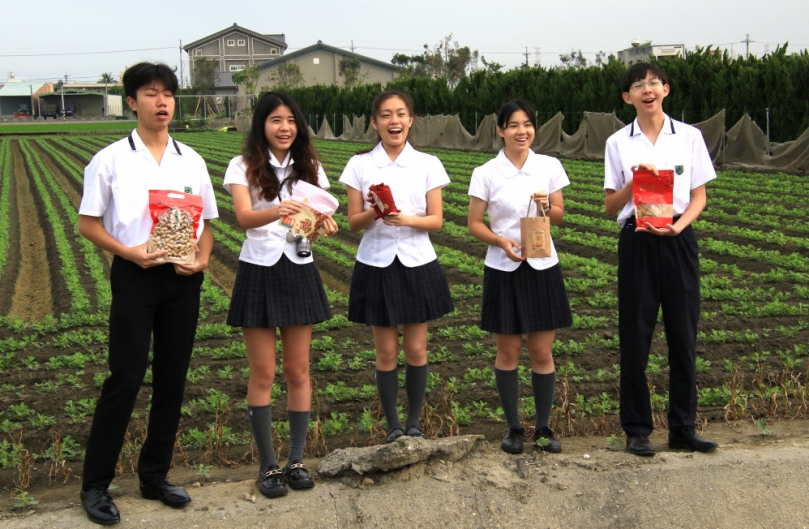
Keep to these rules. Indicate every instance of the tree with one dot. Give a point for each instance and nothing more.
(491, 67)
(286, 77)
(107, 78)
(205, 72)
(247, 79)
(446, 59)
(349, 70)
(573, 61)
(412, 65)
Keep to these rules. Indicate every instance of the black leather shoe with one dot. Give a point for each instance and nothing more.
(271, 483)
(415, 431)
(297, 476)
(512, 442)
(161, 489)
(640, 446)
(552, 445)
(99, 506)
(688, 439)
(393, 434)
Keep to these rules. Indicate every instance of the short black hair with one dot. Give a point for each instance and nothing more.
(639, 72)
(147, 73)
(510, 107)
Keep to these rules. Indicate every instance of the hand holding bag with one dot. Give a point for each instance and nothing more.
(535, 234)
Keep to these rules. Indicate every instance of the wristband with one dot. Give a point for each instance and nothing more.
(495, 240)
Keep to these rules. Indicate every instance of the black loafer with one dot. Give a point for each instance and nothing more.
(512, 442)
(551, 444)
(688, 439)
(271, 483)
(393, 434)
(415, 431)
(161, 489)
(297, 476)
(99, 506)
(640, 446)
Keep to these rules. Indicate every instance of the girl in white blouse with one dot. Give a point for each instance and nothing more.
(274, 286)
(397, 279)
(520, 296)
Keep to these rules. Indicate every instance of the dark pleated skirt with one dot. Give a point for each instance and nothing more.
(398, 294)
(525, 300)
(279, 295)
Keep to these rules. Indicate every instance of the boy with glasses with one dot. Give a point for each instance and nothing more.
(657, 266)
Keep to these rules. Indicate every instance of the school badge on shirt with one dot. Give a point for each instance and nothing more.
(187, 189)
(679, 169)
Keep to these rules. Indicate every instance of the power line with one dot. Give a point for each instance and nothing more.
(85, 52)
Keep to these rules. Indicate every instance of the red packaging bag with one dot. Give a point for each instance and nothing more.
(318, 205)
(653, 197)
(175, 219)
(383, 200)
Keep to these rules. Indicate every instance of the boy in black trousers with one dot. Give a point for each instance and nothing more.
(148, 295)
(657, 266)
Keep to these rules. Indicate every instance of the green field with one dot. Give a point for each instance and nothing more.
(66, 126)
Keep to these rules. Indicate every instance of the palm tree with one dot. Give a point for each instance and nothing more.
(107, 78)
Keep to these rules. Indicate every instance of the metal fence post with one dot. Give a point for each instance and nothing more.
(768, 130)
(683, 116)
(204, 108)
(476, 122)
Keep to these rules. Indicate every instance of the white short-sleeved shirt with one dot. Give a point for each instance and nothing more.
(410, 177)
(118, 179)
(265, 245)
(679, 147)
(507, 192)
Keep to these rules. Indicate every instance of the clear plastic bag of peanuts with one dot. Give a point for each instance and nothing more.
(175, 219)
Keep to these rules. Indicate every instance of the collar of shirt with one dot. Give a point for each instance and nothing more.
(508, 170)
(283, 165)
(136, 144)
(668, 127)
(382, 160)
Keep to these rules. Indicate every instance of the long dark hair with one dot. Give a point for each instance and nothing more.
(256, 150)
(384, 96)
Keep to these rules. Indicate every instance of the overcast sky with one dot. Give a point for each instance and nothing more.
(45, 40)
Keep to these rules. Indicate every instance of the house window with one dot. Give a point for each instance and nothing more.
(231, 42)
(316, 60)
(236, 67)
(241, 42)
(197, 51)
(274, 51)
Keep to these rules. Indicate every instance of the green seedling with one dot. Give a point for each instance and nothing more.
(23, 500)
(614, 442)
(763, 430)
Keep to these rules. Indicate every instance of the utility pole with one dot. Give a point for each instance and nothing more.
(181, 63)
(64, 114)
(747, 42)
(352, 45)
(526, 56)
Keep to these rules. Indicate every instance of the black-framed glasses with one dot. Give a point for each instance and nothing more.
(651, 83)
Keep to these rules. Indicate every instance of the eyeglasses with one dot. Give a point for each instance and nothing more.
(651, 83)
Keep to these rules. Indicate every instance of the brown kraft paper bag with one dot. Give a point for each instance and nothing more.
(535, 234)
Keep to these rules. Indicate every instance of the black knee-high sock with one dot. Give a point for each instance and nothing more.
(416, 386)
(544, 387)
(387, 385)
(261, 425)
(298, 426)
(508, 389)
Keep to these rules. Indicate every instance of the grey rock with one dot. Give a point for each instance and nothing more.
(403, 452)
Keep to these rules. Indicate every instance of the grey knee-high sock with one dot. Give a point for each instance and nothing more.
(508, 389)
(261, 425)
(544, 387)
(416, 386)
(298, 426)
(387, 385)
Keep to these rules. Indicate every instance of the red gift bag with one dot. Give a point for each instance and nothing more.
(653, 197)
(383, 200)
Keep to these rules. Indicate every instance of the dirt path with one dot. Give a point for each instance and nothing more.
(32, 292)
(749, 482)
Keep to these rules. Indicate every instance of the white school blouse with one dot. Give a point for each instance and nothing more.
(679, 147)
(409, 177)
(266, 244)
(118, 179)
(507, 191)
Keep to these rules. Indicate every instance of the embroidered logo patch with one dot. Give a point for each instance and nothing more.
(679, 169)
(187, 189)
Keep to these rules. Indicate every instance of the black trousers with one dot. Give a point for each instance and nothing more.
(655, 271)
(143, 301)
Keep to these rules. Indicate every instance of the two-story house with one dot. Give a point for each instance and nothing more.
(234, 49)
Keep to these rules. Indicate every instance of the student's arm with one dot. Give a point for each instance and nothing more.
(247, 218)
(359, 218)
(91, 229)
(695, 207)
(430, 222)
(478, 228)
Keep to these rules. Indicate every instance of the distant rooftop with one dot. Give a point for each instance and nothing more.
(20, 89)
